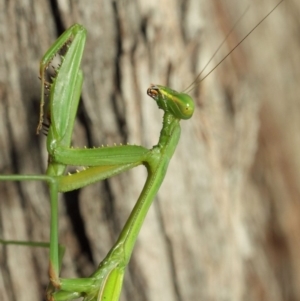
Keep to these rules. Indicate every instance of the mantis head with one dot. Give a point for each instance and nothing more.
(180, 105)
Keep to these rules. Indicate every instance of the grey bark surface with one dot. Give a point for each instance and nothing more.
(225, 224)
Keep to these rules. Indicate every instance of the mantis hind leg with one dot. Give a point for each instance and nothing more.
(56, 250)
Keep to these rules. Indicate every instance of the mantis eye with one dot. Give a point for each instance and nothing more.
(180, 105)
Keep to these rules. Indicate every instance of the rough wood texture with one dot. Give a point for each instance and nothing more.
(225, 225)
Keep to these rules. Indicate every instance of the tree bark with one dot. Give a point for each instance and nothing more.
(225, 224)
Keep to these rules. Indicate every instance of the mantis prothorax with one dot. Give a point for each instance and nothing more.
(106, 282)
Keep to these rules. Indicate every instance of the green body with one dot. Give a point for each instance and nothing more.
(106, 282)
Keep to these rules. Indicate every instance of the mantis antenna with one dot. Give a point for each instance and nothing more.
(198, 80)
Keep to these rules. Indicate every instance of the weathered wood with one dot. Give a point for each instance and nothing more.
(225, 223)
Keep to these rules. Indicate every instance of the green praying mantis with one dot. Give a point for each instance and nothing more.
(100, 163)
